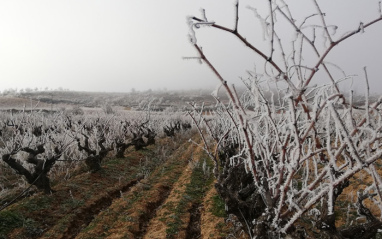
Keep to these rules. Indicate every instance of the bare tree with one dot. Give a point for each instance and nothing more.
(284, 160)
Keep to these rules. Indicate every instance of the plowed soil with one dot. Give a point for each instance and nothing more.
(144, 195)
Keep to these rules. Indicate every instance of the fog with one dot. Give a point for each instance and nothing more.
(119, 45)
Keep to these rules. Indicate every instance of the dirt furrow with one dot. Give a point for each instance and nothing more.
(83, 215)
(211, 220)
(158, 226)
(150, 211)
(129, 216)
(193, 229)
(180, 215)
(86, 214)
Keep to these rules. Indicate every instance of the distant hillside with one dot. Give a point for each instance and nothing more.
(158, 100)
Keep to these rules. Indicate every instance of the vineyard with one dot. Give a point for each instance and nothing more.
(128, 174)
(294, 152)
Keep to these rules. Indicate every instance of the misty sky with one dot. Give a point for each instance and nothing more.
(117, 45)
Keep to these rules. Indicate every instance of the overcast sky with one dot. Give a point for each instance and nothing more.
(117, 45)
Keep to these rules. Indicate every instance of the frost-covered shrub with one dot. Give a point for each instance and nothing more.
(76, 110)
(108, 109)
(286, 151)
